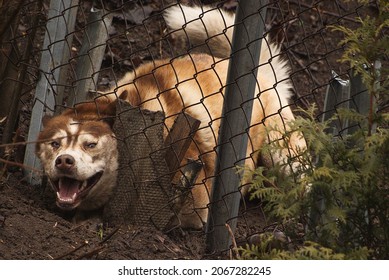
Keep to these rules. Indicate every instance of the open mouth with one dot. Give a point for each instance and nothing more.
(70, 191)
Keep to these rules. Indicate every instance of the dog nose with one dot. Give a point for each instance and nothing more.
(64, 162)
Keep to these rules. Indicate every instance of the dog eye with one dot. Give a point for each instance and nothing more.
(55, 144)
(90, 145)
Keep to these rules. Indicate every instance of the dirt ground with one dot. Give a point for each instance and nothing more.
(31, 227)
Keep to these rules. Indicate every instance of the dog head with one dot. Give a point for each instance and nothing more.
(78, 152)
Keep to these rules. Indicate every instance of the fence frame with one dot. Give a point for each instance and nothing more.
(91, 55)
(348, 94)
(53, 74)
(236, 116)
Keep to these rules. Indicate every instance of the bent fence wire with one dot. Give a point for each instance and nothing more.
(59, 53)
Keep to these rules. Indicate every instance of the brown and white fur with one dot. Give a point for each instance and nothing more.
(78, 152)
(81, 143)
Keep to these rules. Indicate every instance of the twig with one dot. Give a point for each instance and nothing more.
(109, 235)
(72, 251)
(172, 250)
(305, 69)
(24, 143)
(324, 11)
(76, 226)
(234, 245)
(98, 249)
(21, 165)
(89, 254)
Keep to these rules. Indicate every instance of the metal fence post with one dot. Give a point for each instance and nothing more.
(347, 94)
(237, 108)
(337, 96)
(359, 98)
(91, 55)
(62, 18)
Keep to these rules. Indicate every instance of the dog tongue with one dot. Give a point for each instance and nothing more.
(68, 187)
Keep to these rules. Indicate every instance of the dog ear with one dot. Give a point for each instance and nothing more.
(100, 108)
(46, 119)
(131, 97)
(124, 95)
(109, 113)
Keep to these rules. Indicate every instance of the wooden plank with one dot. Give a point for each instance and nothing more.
(178, 140)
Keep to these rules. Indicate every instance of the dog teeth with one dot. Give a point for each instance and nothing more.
(84, 185)
(67, 199)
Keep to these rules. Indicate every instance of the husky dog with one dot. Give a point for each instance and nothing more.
(79, 155)
(78, 148)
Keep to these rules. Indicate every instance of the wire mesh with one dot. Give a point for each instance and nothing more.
(138, 41)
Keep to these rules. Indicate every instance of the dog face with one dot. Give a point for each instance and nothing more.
(78, 152)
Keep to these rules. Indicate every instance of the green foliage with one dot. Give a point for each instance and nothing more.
(367, 44)
(339, 187)
(364, 48)
(342, 200)
(267, 249)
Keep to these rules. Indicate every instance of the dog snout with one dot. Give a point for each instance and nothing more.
(64, 162)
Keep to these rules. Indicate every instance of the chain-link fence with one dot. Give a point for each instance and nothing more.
(171, 161)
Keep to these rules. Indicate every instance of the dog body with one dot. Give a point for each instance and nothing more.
(81, 157)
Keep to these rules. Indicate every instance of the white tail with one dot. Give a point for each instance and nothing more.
(202, 25)
(213, 28)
